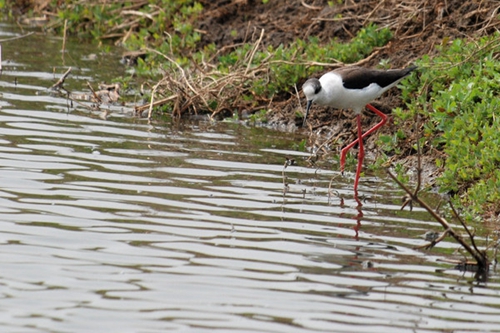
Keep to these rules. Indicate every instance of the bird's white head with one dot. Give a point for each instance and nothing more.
(311, 89)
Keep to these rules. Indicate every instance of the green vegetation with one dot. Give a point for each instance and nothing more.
(258, 74)
(110, 19)
(289, 64)
(246, 74)
(458, 94)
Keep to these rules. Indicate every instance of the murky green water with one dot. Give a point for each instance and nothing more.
(109, 224)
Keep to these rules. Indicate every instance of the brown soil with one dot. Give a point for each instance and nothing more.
(418, 26)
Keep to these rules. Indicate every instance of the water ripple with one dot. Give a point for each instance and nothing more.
(119, 225)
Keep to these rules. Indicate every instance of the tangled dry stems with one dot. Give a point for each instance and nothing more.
(206, 88)
(195, 90)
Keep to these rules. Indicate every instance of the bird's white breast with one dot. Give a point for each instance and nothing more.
(334, 94)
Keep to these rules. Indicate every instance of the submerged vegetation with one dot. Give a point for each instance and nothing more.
(191, 69)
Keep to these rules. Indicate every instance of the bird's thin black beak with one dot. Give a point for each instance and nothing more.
(309, 103)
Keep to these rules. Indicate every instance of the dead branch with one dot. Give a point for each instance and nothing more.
(16, 37)
(457, 216)
(479, 256)
(140, 108)
(59, 84)
(65, 30)
(96, 97)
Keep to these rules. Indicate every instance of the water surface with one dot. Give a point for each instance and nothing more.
(111, 224)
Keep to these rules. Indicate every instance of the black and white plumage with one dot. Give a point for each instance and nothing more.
(353, 88)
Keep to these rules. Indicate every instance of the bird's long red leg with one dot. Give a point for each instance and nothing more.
(361, 156)
(360, 138)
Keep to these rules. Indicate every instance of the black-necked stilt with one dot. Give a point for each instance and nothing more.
(353, 88)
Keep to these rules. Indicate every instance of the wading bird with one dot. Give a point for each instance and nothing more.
(353, 88)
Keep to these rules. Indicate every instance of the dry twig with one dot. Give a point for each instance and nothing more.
(59, 84)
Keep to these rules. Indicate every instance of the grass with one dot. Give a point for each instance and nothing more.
(458, 95)
(248, 76)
